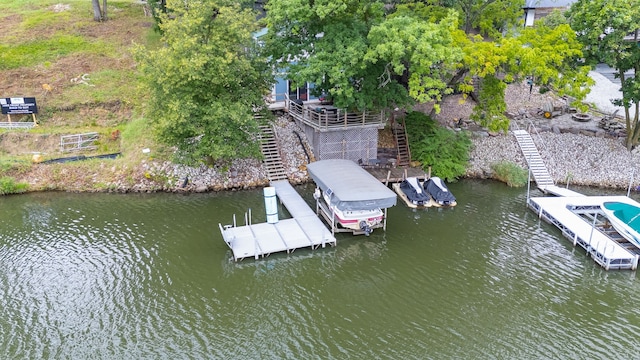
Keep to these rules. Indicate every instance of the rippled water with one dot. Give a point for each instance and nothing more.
(106, 276)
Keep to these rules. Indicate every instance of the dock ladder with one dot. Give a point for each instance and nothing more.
(534, 160)
(271, 152)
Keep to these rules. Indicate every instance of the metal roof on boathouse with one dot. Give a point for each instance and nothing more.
(351, 187)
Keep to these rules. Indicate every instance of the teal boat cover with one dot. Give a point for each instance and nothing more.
(349, 186)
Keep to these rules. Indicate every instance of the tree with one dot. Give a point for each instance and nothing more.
(158, 7)
(325, 42)
(609, 32)
(206, 81)
(419, 50)
(364, 61)
(549, 55)
(488, 17)
(98, 13)
(491, 17)
(367, 58)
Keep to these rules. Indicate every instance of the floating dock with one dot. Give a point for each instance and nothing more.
(579, 217)
(431, 203)
(304, 229)
(582, 221)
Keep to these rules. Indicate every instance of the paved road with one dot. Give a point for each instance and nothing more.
(606, 88)
(608, 72)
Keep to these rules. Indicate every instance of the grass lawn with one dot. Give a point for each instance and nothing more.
(81, 73)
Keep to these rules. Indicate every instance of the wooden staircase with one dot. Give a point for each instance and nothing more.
(402, 142)
(534, 160)
(271, 152)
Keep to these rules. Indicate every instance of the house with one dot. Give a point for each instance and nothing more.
(536, 9)
(283, 89)
(333, 133)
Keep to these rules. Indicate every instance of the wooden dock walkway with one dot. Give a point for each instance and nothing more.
(388, 175)
(581, 220)
(305, 229)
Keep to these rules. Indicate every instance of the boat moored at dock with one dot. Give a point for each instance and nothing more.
(349, 198)
(625, 218)
(431, 192)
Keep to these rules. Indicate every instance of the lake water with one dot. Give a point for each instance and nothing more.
(105, 276)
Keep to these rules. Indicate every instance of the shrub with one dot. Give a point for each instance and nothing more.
(510, 173)
(445, 151)
(9, 186)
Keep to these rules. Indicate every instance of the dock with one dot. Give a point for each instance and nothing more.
(579, 217)
(304, 229)
(388, 175)
(581, 220)
(432, 203)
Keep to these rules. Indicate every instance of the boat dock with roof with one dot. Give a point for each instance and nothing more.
(579, 217)
(349, 198)
(304, 229)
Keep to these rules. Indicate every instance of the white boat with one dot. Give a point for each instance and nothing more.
(625, 218)
(350, 198)
(357, 220)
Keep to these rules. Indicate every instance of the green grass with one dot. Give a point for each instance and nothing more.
(510, 173)
(40, 51)
(25, 6)
(54, 47)
(14, 165)
(104, 86)
(34, 6)
(8, 186)
(136, 136)
(41, 19)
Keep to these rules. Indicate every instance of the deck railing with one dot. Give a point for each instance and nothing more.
(324, 117)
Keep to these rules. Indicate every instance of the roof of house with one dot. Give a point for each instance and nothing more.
(535, 4)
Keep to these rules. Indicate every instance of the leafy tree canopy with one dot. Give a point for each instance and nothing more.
(609, 32)
(369, 56)
(487, 17)
(206, 81)
(362, 59)
(325, 42)
(548, 55)
(419, 50)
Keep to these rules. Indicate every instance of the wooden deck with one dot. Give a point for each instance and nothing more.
(328, 118)
(388, 175)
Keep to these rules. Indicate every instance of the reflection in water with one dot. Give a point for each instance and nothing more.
(148, 276)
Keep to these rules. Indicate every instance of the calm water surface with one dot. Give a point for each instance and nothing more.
(106, 276)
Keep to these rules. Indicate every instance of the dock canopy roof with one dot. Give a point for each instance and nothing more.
(350, 187)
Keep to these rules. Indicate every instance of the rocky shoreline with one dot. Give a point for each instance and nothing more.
(585, 160)
(580, 153)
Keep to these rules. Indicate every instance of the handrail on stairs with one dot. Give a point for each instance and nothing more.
(531, 126)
